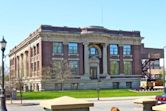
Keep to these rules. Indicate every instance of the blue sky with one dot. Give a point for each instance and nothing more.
(18, 18)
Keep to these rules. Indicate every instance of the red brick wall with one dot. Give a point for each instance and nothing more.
(108, 59)
(40, 58)
(29, 59)
(65, 50)
(101, 60)
(81, 65)
(46, 53)
(136, 52)
(121, 65)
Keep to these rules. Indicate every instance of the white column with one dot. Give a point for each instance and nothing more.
(17, 67)
(19, 63)
(25, 64)
(22, 65)
(86, 61)
(105, 65)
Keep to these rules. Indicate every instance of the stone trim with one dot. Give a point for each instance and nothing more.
(77, 54)
(54, 54)
(73, 59)
(53, 58)
(114, 59)
(91, 38)
(127, 55)
(127, 60)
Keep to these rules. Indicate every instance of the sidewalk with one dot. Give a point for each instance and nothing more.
(104, 104)
(88, 99)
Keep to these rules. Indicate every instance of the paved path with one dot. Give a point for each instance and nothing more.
(104, 104)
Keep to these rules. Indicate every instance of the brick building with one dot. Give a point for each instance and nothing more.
(94, 52)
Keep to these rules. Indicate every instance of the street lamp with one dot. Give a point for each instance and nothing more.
(98, 87)
(3, 98)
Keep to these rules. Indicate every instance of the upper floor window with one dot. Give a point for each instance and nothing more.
(32, 67)
(93, 51)
(113, 49)
(38, 65)
(35, 68)
(37, 48)
(57, 48)
(74, 66)
(73, 48)
(34, 49)
(127, 50)
(31, 52)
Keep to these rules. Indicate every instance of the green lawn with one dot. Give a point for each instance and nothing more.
(86, 94)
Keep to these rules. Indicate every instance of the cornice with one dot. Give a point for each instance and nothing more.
(103, 38)
(27, 41)
(76, 37)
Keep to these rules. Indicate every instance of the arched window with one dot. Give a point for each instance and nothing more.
(93, 51)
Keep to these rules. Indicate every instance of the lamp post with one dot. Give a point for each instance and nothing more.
(98, 87)
(3, 98)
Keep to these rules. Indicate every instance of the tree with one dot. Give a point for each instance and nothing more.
(9, 83)
(62, 72)
(59, 71)
(46, 73)
(16, 83)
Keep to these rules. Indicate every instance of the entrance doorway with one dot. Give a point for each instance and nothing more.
(93, 72)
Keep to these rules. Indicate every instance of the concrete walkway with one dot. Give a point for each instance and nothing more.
(89, 99)
(104, 104)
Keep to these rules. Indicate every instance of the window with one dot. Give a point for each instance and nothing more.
(128, 67)
(129, 85)
(115, 85)
(93, 51)
(74, 66)
(74, 86)
(57, 48)
(57, 64)
(114, 67)
(38, 48)
(35, 66)
(32, 69)
(73, 48)
(127, 50)
(31, 52)
(56, 69)
(38, 65)
(113, 49)
(34, 49)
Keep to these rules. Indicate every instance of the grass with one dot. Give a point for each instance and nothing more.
(86, 94)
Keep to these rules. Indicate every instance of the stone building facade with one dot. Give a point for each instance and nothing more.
(97, 57)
